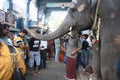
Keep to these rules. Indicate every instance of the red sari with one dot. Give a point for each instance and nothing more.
(71, 68)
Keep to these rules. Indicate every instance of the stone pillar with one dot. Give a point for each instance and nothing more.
(27, 13)
(10, 7)
(47, 16)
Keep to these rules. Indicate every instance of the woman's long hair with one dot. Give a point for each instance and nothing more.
(2, 27)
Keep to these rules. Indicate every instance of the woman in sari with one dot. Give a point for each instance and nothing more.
(7, 63)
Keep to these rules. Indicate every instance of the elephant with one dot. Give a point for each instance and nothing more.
(81, 16)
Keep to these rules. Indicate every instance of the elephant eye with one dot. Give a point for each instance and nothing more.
(81, 8)
(73, 9)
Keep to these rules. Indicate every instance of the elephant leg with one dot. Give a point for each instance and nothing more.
(105, 73)
(109, 73)
(109, 62)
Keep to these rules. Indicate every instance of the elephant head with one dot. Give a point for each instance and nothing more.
(78, 17)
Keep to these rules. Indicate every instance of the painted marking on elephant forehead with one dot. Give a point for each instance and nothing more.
(112, 15)
(81, 7)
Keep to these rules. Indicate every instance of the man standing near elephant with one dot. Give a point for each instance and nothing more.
(34, 55)
(73, 47)
(79, 56)
(43, 52)
(19, 43)
(57, 49)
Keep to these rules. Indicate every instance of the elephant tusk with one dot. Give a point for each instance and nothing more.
(70, 28)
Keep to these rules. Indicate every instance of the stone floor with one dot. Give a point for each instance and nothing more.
(55, 71)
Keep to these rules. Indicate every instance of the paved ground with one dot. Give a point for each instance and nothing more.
(54, 71)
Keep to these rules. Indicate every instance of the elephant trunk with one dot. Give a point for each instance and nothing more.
(62, 30)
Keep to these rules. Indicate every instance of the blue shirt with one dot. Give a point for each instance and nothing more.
(5, 40)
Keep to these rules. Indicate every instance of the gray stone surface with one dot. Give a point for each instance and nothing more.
(55, 71)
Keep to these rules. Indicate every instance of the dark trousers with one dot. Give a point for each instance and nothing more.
(85, 56)
(43, 58)
(79, 61)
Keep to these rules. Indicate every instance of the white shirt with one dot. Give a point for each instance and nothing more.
(43, 45)
(10, 42)
(89, 41)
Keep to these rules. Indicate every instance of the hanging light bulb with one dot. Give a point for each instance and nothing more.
(63, 6)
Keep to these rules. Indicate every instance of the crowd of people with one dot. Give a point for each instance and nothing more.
(32, 53)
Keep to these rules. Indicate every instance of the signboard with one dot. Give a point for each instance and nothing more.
(33, 24)
(10, 18)
(86, 32)
(6, 17)
(2, 16)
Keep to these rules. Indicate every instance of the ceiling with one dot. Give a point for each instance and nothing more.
(53, 5)
(54, 1)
